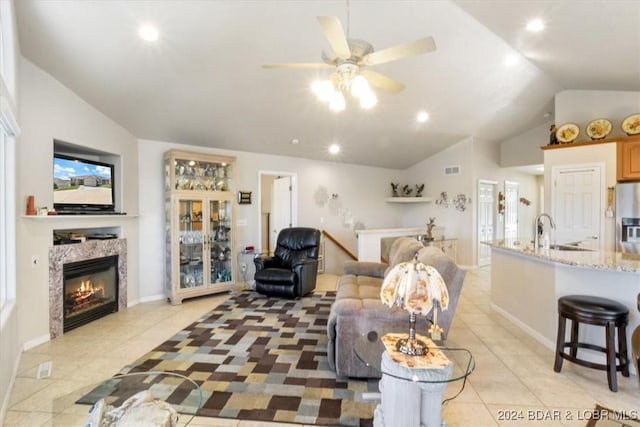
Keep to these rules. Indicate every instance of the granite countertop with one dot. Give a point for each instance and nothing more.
(597, 260)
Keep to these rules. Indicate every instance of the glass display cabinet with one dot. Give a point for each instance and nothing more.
(198, 225)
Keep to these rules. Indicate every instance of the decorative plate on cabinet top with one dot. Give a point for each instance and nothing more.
(631, 125)
(598, 128)
(568, 132)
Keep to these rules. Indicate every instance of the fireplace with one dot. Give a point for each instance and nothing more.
(90, 290)
(63, 255)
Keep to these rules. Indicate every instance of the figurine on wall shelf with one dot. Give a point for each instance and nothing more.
(430, 225)
(419, 190)
(552, 135)
(406, 191)
(394, 189)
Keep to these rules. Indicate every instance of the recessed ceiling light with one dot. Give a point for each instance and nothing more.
(422, 116)
(334, 149)
(295, 141)
(148, 33)
(535, 25)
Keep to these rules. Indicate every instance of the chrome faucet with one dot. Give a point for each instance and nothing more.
(539, 228)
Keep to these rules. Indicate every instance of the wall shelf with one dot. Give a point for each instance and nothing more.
(76, 217)
(408, 199)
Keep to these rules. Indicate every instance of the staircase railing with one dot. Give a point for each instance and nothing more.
(339, 245)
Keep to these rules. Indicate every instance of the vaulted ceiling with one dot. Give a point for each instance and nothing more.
(202, 82)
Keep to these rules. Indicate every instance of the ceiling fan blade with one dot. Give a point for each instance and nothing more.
(381, 81)
(400, 51)
(300, 65)
(334, 33)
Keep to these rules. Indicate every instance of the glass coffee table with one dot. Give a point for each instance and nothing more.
(181, 393)
(412, 386)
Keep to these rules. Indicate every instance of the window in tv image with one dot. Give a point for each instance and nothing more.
(80, 182)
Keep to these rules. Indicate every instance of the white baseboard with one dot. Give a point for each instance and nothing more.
(151, 298)
(36, 342)
(533, 333)
(595, 358)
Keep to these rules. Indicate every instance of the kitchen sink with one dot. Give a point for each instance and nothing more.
(569, 248)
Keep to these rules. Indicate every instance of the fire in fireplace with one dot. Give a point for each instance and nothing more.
(90, 290)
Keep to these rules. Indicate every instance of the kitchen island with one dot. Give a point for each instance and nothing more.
(526, 285)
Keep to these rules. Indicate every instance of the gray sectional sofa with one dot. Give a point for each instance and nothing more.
(358, 310)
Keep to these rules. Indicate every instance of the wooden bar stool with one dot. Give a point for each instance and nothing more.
(600, 312)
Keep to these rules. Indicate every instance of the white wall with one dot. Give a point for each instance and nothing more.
(478, 160)
(582, 106)
(487, 167)
(361, 191)
(51, 111)
(458, 224)
(524, 149)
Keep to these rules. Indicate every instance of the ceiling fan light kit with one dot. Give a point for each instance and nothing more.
(346, 79)
(350, 57)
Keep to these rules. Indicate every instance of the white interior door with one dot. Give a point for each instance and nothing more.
(511, 190)
(281, 208)
(486, 219)
(577, 204)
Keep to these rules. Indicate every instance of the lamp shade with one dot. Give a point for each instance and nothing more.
(414, 287)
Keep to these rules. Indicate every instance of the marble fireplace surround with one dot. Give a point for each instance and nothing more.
(63, 254)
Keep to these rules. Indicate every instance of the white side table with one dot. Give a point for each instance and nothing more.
(412, 386)
(410, 403)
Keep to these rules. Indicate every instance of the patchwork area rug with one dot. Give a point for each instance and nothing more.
(254, 358)
(604, 417)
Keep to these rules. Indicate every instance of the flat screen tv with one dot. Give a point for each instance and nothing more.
(81, 185)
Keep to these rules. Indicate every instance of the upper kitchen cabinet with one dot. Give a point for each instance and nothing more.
(628, 160)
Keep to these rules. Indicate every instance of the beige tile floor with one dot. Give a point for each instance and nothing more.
(514, 374)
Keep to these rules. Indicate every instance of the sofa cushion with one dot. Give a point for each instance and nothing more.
(437, 259)
(402, 250)
(360, 287)
(364, 268)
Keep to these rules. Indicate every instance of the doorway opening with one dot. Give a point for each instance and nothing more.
(278, 201)
(511, 205)
(487, 193)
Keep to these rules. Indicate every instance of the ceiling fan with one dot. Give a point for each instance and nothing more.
(350, 56)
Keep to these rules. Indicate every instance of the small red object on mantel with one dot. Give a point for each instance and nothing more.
(52, 213)
(249, 249)
(31, 205)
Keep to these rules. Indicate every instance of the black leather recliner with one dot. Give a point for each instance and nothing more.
(292, 270)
